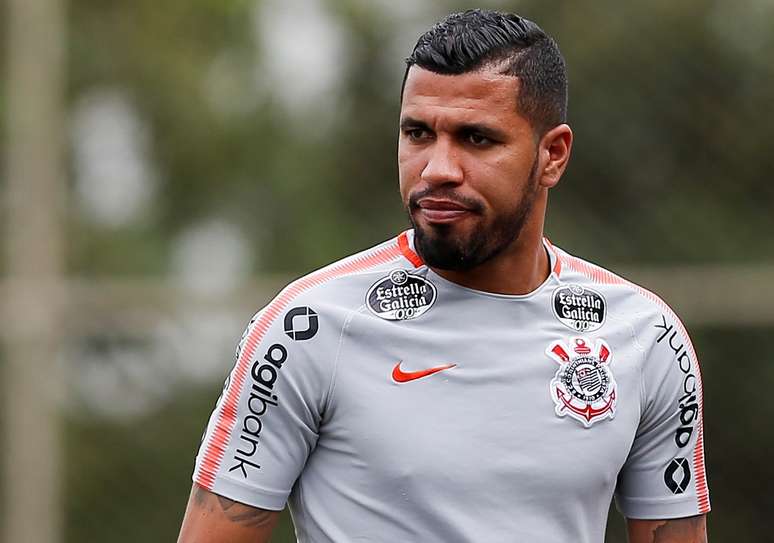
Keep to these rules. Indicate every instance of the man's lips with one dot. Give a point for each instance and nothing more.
(441, 210)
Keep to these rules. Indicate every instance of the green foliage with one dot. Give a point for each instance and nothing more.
(129, 481)
(670, 116)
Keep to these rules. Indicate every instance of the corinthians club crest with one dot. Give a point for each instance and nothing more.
(583, 386)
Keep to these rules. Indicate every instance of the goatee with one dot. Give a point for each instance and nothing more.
(441, 248)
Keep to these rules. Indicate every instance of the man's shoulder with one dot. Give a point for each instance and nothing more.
(344, 282)
(615, 287)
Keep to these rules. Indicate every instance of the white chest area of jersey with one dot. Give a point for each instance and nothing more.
(486, 403)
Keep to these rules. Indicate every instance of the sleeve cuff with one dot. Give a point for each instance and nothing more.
(272, 500)
(657, 509)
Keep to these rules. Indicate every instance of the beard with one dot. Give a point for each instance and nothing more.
(441, 248)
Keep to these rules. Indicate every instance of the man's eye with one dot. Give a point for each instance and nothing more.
(416, 134)
(478, 139)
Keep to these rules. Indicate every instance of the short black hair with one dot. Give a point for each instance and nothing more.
(474, 39)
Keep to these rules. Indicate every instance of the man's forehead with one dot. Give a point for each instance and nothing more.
(485, 88)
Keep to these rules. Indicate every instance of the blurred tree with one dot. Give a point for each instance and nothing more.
(669, 114)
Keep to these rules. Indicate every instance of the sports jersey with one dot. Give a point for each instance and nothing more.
(386, 403)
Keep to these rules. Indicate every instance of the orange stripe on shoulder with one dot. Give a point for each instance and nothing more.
(408, 252)
(217, 443)
(558, 265)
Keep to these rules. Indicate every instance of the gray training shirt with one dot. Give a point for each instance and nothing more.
(385, 403)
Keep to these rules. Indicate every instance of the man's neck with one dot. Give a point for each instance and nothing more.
(520, 269)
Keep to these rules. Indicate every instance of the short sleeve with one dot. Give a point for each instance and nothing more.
(265, 424)
(664, 475)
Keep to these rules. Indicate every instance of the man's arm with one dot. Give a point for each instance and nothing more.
(678, 530)
(210, 518)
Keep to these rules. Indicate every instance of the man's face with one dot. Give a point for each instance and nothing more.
(467, 164)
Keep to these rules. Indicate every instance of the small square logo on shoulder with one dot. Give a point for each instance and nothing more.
(583, 386)
(301, 323)
(401, 296)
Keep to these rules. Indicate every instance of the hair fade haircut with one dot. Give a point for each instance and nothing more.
(476, 39)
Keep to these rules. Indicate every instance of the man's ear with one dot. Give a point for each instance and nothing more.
(554, 153)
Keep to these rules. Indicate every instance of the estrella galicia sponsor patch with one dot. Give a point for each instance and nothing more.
(401, 296)
(579, 308)
(677, 475)
(301, 323)
(583, 386)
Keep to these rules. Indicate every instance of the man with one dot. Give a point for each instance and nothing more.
(465, 381)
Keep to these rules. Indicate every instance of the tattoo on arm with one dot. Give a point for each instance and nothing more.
(679, 530)
(200, 496)
(236, 512)
(684, 530)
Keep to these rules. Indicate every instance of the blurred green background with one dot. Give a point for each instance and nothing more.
(212, 150)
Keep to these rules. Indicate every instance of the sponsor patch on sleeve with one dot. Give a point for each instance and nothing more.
(677, 475)
(688, 393)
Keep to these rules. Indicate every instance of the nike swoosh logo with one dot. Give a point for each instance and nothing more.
(401, 376)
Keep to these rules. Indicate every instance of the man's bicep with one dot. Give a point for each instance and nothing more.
(210, 518)
(678, 530)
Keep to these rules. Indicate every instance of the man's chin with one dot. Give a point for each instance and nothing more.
(445, 235)
(443, 247)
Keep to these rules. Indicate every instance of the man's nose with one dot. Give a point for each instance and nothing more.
(443, 165)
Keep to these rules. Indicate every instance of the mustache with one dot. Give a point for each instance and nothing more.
(444, 194)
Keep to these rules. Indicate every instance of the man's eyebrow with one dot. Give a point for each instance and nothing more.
(407, 123)
(483, 129)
